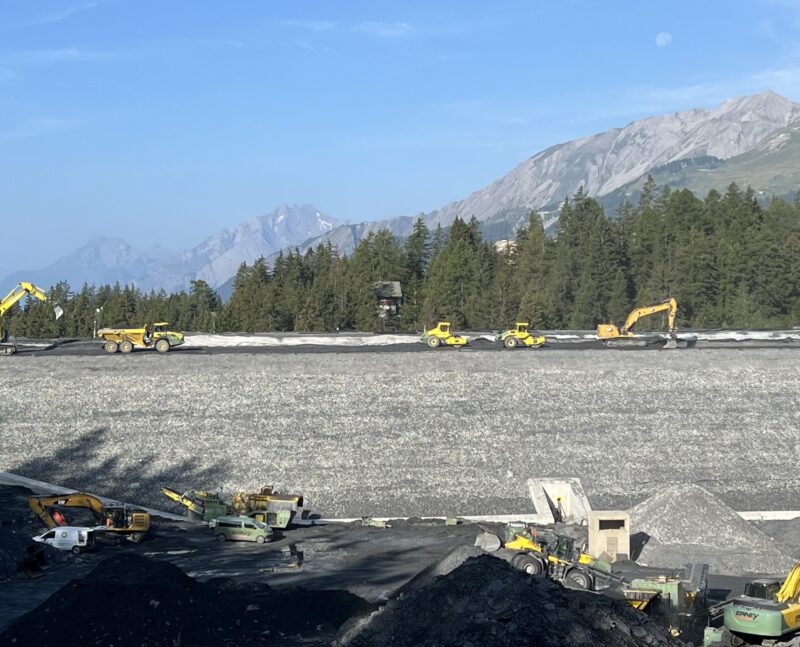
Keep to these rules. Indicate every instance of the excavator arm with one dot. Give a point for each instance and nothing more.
(671, 306)
(23, 288)
(791, 586)
(41, 505)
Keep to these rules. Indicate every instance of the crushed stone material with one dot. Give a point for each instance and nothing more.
(684, 522)
(487, 602)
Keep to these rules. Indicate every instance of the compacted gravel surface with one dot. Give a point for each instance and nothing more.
(433, 433)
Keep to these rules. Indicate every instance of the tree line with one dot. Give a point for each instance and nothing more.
(729, 261)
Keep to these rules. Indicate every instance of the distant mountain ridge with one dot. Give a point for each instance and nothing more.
(215, 260)
(751, 140)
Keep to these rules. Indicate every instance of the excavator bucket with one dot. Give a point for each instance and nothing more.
(58, 310)
(488, 541)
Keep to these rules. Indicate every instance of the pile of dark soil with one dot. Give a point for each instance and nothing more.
(132, 600)
(487, 602)
(17, 526)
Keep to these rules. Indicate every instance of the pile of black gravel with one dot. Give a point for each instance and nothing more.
(132, 600)
(486, 602)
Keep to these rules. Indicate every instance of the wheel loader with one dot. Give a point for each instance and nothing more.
(125, 340)
(520, 336)
(442, 335)
(537, 550)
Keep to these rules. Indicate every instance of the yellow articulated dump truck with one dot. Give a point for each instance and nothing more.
(125, 340)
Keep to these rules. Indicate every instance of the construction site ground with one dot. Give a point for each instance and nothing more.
(373, 563)
(408, 434)
(405, 434)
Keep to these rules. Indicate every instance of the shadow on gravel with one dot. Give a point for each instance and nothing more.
(93, 463)
(638, 542)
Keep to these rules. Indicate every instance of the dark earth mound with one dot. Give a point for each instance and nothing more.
(132, 600)
(486, 602)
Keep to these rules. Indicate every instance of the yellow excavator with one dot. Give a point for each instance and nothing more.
(22, 289)
(768, 612)
(121, 521)
(614, 337)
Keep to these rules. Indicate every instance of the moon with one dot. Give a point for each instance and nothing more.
(663, 39)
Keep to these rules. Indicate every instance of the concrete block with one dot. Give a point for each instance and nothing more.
(610, 534)
(559, 499)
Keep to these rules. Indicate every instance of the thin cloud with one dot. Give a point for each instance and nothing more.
(384, 29)
(48, 56)
(37, 127)
(310, 25)
(63, 14)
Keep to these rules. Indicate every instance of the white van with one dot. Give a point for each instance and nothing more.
(74, 538)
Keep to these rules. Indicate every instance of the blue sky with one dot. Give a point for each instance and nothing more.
(166, 121)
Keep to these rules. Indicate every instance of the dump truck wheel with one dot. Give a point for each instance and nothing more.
(259, 539)
(579, 580)
(220, 537)
(434, 342)
(76, 550)
(162, 345)
(510, 342)
(111, 346)
(530, 565)
(126, 347)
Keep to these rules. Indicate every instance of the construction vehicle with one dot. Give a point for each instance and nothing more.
(614, 337)
(678, 604)
(120, 521)
(538, 550)
(201, 505)
(266, 506)
(520, 336)
(442, 335)
(125, 340)
(767, 613)
(23, 288)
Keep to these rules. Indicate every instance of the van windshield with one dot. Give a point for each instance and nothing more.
(260, 524)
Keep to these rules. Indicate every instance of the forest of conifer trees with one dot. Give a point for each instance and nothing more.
(728, 260)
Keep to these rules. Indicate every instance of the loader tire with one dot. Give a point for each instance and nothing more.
(530, 565)
(510, 342)
(434, 342)
(126, 347)
(576, 579)
(111, 347)
(162, 345)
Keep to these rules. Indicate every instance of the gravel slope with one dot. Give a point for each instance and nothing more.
(410, 433)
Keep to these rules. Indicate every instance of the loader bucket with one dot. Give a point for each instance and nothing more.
(58, 310)
(488, 541)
